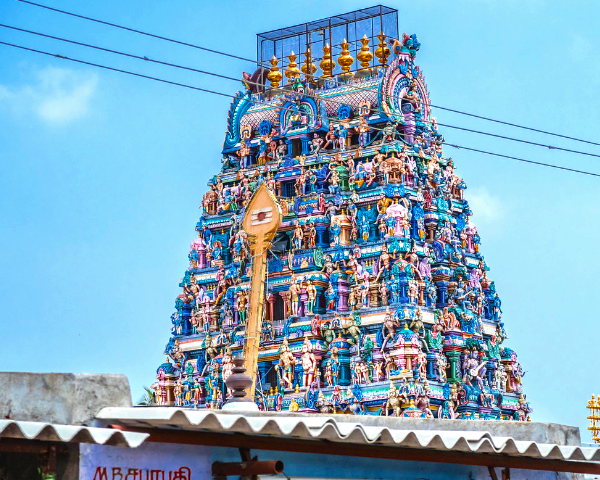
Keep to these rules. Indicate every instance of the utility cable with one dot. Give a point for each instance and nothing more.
(130, 55)
(232, 96)
(514, 125)
(139, 31)
(355, 87)
(519, 140)
(523, 160)
(205, 72)
(117, 70)
(155, 78)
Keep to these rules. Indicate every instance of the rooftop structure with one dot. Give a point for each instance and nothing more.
(377, 298)
(309, 39)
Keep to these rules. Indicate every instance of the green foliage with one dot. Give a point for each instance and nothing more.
(147, 399)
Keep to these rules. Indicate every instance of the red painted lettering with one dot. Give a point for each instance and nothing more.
(157, 475)
(132, 474)
(100, 473)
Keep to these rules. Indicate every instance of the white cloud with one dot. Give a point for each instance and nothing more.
(58, 96)
(486, 207)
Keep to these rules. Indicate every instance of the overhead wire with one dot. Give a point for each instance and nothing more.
(233, 96)
(116, 69)
(523, 160)
(551, 147)
(160, 37)
(145, 58)
(117, 52)
(329, 100)
(355, 87)
(516, 125)
(63, 57)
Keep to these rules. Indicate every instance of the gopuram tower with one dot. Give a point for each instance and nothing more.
(378, 299)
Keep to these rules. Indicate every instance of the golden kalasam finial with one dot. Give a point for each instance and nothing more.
(327, 64)
(345, 59)
(364, 56)
(382, 52)
(292, 70)
(594, 407)
(309, 68)
(274, 75)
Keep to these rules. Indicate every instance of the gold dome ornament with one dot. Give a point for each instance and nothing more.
(345, 60)
(382, 52)
(365, 56)
(309, 68)
(292, 72)
(274, 75)
(327, 64)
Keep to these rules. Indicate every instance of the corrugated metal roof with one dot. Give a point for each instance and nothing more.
(323, 427)
(69, 433)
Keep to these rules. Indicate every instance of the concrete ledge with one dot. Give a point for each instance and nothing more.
(66, 398)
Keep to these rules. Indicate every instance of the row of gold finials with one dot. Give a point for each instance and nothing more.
(594, 407)
(327, 64)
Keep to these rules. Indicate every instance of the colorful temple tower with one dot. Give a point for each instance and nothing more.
(378, 298)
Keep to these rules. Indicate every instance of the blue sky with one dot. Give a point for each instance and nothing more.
(102, 174)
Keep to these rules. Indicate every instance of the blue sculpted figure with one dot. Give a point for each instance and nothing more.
(262, 152)
(193, 256)
(497, 307)
(177, 322)
(238, 245)
(311, 396)
(431, 293)
(360, 175)
(217, 250)
(364, 229)
(335, 370)
(312, 178)
(395, 289)
(222, 314)
(286, 327)
(206, 234)
(379, 338)
(390, 222)
(476, 240)
(336, 231)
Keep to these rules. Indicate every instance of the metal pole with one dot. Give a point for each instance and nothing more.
(269, 467)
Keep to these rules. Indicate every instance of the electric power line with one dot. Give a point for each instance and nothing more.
(253, 61)
(116, 69)
(117, 52)
(523, 160)
(63, 57)
(515, 125)
(322, 117)
(160, 62)
(138, 31)
(551, 147)
(232, 96)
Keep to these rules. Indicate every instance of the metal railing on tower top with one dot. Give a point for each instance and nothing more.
(341, 44)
